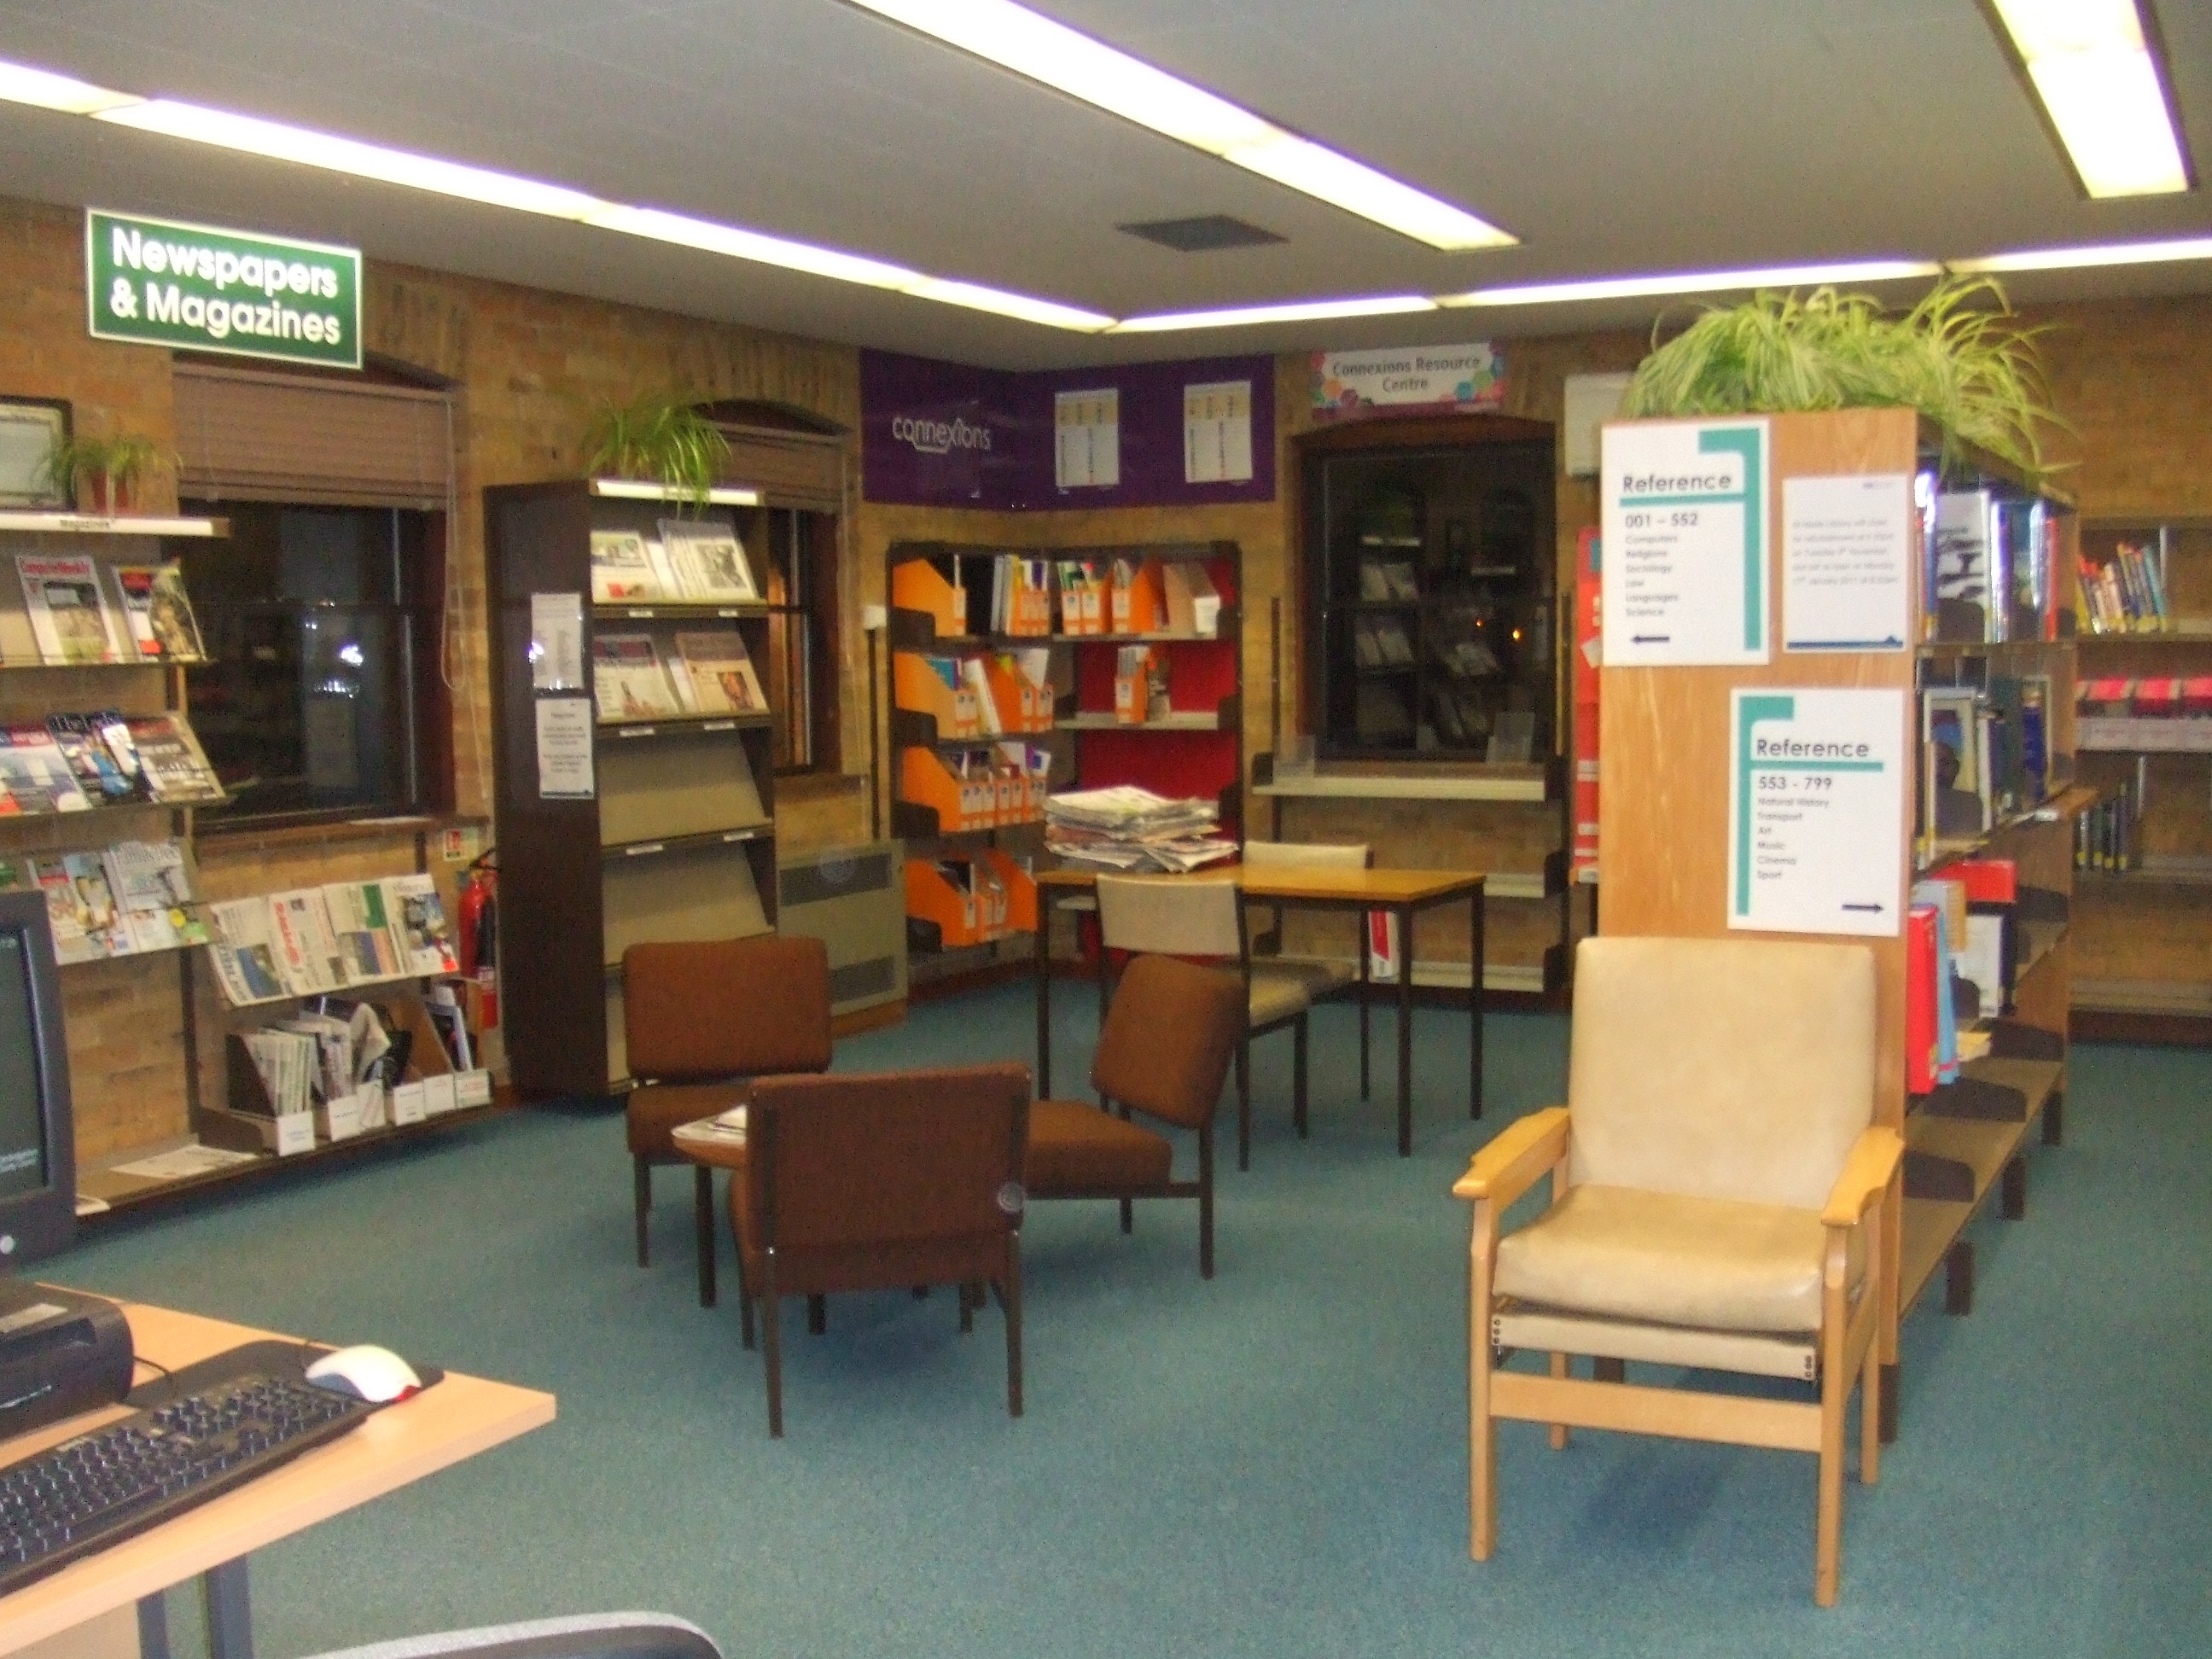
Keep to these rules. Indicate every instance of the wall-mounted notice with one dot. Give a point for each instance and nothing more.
(1684, 532)
(1816, 811)
(557, 641)
(1846, 562)
(1087, 439)
(564, 748)
(1403, 378)
(157, 282)
(1217, 432)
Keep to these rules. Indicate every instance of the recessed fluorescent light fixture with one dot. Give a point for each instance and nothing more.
(2097, 70)
(1694, 281)
(1298, 311)
(276, 141)
(1035, 47)
(2071, 258)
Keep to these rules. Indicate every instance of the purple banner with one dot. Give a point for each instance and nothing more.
(936, 434)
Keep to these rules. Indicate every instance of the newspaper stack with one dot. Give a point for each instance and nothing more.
(1126, 828)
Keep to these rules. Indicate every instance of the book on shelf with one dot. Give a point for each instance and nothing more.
(1952, 772)
(426, 942)
(449, 1022)
(170, 759)
(715, 665)
(621, 570)
(709, 561)
(1021, 594)
(1193, 604)
(68, 611)
(1374, 584)
(1962, 580)
(1392, 641)
(37, 775)
(2125, 593)
(1366, 649)
(157, 613)
(1084, 603)
(628, 681)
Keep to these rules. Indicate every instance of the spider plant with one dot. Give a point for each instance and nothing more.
(661, 437)
(109, 469)
(1959, 357)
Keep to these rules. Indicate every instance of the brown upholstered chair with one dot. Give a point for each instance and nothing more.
(1169, 1036)
(870, 1181)
(700, 1022)
(1718, 1198)
(1203, 916)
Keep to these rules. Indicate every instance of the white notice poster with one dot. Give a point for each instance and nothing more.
(557, 641)
(1816, 811)
(1846, 562)
(564, 748)
(1217, 432)
(1685, 538)
(1087, 439)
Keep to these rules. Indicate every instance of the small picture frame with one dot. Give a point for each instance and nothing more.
(29, 429)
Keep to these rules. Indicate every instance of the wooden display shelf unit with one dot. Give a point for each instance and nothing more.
(678, 839)
(1663, 802)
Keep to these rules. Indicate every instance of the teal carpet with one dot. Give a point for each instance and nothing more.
(1271, 1464)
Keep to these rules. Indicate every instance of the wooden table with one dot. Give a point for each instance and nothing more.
(456, 1419)
(1403, 893)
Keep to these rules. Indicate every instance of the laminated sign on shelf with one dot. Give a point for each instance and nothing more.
(1816, 811)
(1684, 531)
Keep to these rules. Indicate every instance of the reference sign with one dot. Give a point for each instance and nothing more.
(155, 282)
(1816, 811)
(1685, 530)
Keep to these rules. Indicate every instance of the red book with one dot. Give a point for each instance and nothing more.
(2159, 697)
(1987, 881)
(1921, 979)
(2107, 696)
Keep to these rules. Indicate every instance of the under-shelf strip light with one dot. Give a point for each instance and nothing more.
(1052, 54)
(277, 141)
(2093, 66)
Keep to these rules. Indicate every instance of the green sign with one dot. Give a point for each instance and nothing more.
(153, 282)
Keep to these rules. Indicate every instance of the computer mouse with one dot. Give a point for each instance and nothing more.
(366, 1372)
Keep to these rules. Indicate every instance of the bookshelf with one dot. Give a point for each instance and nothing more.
(2144, 922)
(1065, 718)
(1665, 752)
(676, 837)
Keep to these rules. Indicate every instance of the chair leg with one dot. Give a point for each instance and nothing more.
(1559, 1431)
(2012, 1199)
(1244, 1100)
(744, 1313)
(817, 1314)
(967, 1309)
(1298, 1076)
(1836, 1378)
(1128, 1217)
(1870, 1413)
(772, 1340)
(1362, 1007)
(703, 1199)
(1205, 1202)
(1482, 1428)
(1011, 1294)
(642, 1198)
(1603, 1369)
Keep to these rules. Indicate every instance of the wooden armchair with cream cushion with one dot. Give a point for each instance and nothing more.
(1203, 916)
(1323, 978)
(1718, 1196)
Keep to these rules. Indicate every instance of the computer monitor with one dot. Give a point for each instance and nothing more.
(38, 1148)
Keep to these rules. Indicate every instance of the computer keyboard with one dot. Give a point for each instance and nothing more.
(223, 1422)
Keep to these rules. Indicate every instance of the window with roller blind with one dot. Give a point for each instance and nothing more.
(324, 611)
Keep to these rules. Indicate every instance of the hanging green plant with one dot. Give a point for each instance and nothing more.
(108, 470)
(1960, 356)
(659, 437)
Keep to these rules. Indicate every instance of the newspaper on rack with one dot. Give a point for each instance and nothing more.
(1130, 828)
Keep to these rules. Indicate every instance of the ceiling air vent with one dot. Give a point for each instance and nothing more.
(1204, 234)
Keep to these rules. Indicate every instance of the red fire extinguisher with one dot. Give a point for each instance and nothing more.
(479, 929)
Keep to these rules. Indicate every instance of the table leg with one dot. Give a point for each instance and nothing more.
(1405, 1030)
(1475, 1004)
(229, 1611)
(154, 1626)
(1044, 1000)
(703, 1203)
(1364, 985)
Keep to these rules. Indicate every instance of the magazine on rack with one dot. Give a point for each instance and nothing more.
(363, 923)
(628, 681)
(37, 774)
(621, 569)
(176, 768)
(156, 613)
(427, 943)
(69, 615)
(245, 953)
(709, 561)
(715, 664)
(305, 943)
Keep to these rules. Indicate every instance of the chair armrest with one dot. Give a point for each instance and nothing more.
(592, 1635)
(1866, 1175)
(1510, 1164)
